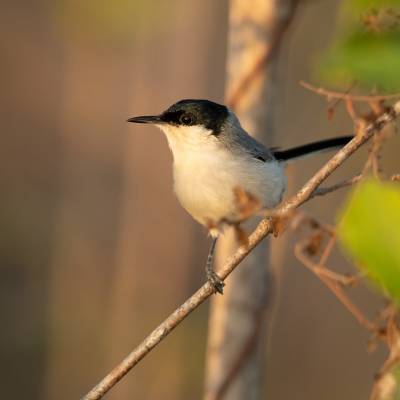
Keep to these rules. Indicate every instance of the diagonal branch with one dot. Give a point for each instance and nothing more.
(264, 228)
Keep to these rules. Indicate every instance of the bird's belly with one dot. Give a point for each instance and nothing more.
(207, 191)
(208, 198)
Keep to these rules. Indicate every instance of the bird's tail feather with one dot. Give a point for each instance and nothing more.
(311, 148)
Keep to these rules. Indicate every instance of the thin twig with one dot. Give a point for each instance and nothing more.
(332, 280)
(334, 285)
(374, 155)
(348, 182)
(347, 96)
(385, 382)
(263, 229)
(331, 107)
(328, 248)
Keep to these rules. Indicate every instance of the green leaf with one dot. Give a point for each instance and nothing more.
(365, 57)
(366, 49)
(369, 230)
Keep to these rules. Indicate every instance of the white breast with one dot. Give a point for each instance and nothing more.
(206, 174)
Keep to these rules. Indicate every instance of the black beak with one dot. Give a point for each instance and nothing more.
(146, 119)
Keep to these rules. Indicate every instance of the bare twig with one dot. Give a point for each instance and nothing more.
(385, 384)
(373, 161)
(333, 104)
(334, 282)
(347, 96)
(263, 229)
(348, 182)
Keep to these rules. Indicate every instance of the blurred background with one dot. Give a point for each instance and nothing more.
(95, 250)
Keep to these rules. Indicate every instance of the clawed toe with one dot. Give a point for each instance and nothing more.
(216, 282)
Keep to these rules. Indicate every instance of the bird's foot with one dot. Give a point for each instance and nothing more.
(215, 281)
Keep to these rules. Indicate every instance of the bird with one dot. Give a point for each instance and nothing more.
(216, 163)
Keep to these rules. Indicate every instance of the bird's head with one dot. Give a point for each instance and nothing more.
(189, 120)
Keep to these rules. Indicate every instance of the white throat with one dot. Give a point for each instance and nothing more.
(189, 141)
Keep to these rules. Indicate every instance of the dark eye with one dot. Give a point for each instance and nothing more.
(187, 119)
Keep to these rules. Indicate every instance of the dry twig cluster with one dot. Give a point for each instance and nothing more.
(321, 241)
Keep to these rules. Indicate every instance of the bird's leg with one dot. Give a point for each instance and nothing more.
(214, 279)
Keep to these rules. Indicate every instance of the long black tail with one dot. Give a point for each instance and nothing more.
(310, 148)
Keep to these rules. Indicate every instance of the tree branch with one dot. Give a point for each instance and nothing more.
(334, 282)
(348, 96)
(325, 190)
(264, 228)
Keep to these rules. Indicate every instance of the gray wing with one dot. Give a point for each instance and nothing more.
(239, 141)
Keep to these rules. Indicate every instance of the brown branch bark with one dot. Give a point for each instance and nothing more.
(263, 229)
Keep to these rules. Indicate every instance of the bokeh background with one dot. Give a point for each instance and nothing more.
(95, 250)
